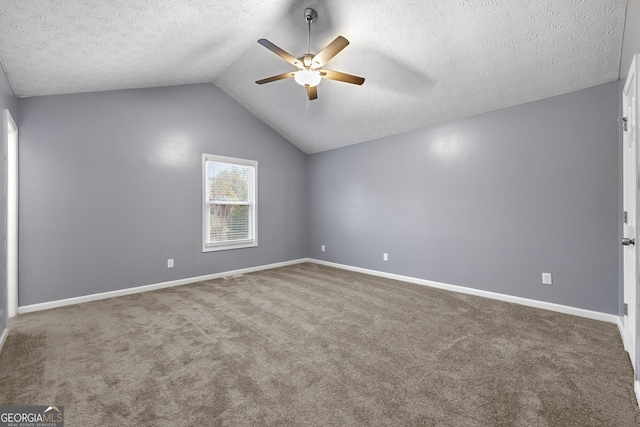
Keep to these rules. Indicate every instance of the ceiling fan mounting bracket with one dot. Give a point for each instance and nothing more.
(310, 15)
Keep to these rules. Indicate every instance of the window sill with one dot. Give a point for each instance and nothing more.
(226, 247)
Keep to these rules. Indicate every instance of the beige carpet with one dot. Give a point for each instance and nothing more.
(311, 345)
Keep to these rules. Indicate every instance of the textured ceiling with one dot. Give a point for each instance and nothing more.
(424, 61)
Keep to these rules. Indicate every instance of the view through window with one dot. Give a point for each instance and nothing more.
(229, 218)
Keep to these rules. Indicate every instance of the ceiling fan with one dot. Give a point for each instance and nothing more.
(309, 66)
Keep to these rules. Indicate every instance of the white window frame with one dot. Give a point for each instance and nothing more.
(206, 210)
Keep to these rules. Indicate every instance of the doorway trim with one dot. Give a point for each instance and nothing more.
(631, 219)
(10, 131)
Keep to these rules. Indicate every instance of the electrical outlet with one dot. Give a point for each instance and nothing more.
(546, 279)
(322, 248)
(170, 263)
(385, 256)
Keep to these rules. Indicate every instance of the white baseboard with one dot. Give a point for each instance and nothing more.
(596, 315)
(3, 338)
(636, 388)
(621, 331)
(610, 318)
(128, 291)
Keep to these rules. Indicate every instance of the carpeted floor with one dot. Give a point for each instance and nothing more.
(308, 345)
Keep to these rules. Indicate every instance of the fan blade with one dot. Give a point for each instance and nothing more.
(312, 92)
(276, 78)
(330, 51)
(341, 77)
(281, 53)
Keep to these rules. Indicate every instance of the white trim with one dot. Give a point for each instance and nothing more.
(10, 135)
(596, 315)
(636, 389)
(620, 323)
(3, 338)
(152, 287)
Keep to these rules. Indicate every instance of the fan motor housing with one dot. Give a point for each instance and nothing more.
(306, 60)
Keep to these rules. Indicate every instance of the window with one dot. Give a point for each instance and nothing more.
(229, 203)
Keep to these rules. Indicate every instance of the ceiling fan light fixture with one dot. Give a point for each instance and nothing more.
(307, 78)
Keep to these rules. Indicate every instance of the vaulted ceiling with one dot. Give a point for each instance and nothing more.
(424, 61)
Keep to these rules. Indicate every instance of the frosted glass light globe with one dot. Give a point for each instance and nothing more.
(307, 77)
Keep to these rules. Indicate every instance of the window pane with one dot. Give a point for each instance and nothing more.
(230, 205)
(228, 182)
(229, 222)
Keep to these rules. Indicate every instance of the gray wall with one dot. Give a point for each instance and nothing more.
(110, 188)
(8, 101)
(488, 202)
